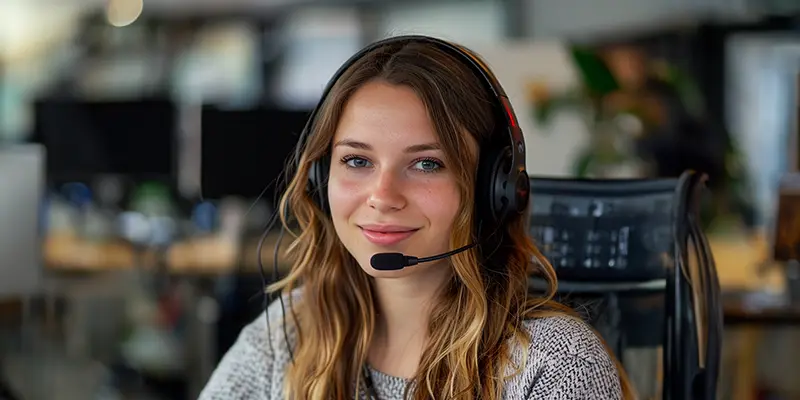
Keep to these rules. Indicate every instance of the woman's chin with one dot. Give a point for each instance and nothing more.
(397, 273)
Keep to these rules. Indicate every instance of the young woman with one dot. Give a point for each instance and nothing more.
(404, 135)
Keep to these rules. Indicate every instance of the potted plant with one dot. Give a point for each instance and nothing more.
(642, 115)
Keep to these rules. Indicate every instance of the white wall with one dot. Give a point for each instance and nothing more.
(580, 18)
(318, 41)
(550, 150)
(468, 23)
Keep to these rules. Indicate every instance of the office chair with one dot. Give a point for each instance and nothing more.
(637, 246)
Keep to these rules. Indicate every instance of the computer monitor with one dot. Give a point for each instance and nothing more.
(246, 150)
(86, 138)
(21, 196)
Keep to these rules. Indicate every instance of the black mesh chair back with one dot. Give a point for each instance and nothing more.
(632, 255)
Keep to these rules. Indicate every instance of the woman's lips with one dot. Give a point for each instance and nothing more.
(387, 236)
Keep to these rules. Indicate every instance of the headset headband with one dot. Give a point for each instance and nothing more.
(476, 65)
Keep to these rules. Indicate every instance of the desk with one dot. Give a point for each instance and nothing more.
(194, 261)
(739, 257)
(202, 255)
(751, 325)
(738, 313)
(213, 256)
(739, 260)
(70, 253)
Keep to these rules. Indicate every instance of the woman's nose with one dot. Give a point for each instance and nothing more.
(386, 194)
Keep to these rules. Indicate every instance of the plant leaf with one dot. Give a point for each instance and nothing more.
(583, 163)
(596, 75)
(542, 112)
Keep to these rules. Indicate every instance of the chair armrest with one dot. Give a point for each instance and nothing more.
(656, 285)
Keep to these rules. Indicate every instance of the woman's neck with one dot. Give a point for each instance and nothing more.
(404, 305)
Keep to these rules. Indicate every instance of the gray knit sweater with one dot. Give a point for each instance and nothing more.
(566, 361)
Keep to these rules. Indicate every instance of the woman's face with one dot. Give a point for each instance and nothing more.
(390, 188)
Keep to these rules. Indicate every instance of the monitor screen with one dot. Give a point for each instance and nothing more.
(89, 138)
(243, 151)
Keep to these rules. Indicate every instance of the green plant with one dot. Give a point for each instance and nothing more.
(601, 101)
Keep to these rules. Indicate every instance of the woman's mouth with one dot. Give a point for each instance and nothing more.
(386, 235)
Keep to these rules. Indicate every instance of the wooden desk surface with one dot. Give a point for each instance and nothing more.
(737, 314)
(738, 260)
(204, 255)
(67, 252)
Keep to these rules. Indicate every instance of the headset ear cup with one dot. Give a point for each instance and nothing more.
(523, 191)
(318, 182)
(504, 201)
(491, 189)
(511, 187)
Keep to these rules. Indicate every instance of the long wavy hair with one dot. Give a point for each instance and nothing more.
(479, 315)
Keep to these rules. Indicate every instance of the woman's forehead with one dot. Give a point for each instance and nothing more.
(388, 115)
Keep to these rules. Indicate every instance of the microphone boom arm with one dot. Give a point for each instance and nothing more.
(415, 260)
(395, 261)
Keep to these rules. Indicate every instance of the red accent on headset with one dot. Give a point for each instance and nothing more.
(510, 115)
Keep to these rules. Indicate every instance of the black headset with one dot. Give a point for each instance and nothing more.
(502, 189)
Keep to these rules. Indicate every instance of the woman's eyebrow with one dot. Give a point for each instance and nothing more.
(353, 143)
(415, 148)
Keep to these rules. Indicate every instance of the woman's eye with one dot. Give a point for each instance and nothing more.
(357, 162)
(427, 165)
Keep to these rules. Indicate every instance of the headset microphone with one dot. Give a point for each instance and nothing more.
(396, 261)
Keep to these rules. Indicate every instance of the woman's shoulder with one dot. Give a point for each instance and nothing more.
(564, 335)
(274, 327)
(256, 361)
(564, 359)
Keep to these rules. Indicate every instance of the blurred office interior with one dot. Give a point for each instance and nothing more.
(140, 143)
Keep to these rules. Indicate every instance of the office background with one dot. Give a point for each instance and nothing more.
(147, 130)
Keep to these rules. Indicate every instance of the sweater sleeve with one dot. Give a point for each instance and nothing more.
(573, 364)
(576, 378)
(246, 371)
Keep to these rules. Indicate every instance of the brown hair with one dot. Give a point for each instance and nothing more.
(468, 350)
